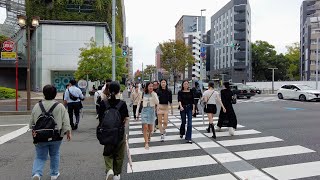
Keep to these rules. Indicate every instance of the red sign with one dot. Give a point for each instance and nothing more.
(8, 45)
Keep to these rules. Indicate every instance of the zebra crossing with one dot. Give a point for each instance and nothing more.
(227, 157)
(258, 99)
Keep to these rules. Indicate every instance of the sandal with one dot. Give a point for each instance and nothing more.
(146, 146)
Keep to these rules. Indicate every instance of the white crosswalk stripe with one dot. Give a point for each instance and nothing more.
(179, 155)
(258, 99)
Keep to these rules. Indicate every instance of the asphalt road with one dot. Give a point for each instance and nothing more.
(275, 139)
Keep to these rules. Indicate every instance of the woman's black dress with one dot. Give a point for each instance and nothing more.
(228, 119)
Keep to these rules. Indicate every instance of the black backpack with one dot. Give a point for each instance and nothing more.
(46, 127)
(111, 129)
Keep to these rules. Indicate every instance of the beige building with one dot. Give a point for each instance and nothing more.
(189, 24)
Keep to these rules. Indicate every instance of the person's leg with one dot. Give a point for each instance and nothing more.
(150, 130)
(108, 159)
(54, 152)
(70, 112)
(183, 123)
(40, 159)
(77, 113)
(189, 125)
(160, 117)
(134, 111)
(211, 125)
(145, 135)
(118, 157)
(165, 122)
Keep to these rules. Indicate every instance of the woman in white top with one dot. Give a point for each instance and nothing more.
(210, 97)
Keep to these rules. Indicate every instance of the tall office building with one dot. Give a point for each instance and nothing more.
(309, 33)
(188, 30)
(231, 25)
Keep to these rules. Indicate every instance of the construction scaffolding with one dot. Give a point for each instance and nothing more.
(13, 7)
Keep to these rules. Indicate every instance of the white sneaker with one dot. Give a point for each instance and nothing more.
(97, 117)
(36, 177)
(110, 175)
(55, 177)
(162, 138)
(164, 132)
(231, 131)
(218, 129)
(116, 177)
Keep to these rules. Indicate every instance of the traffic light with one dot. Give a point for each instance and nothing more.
(124, 51)
(237, 47)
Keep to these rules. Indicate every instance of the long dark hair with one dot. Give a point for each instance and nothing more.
(106, 90)
(211, 84)
(114, 89)
(166, 88)
(182, 88)
(146, 91)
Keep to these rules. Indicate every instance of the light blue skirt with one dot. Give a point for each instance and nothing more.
(148, 115)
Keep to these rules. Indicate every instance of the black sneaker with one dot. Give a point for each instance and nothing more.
(189, 141)
(76, 127)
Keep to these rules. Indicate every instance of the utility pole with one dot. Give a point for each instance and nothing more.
(113, 40)
(317, 64)
(142, 74)
(272, 79)
(201, 45)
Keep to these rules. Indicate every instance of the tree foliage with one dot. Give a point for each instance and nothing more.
(96, 62)
(264, 56)
(2, 39)
(176, 56)
(57, 10)
(150, 69)
(293, 56)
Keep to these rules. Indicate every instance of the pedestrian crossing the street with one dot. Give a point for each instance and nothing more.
(248, 154)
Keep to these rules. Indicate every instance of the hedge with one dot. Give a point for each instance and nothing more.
(7, 93)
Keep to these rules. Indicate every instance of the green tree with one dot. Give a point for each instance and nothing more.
(150, 69)
(96, 62)
(176, 57)
(265, 56)
(2, 39)
(293, 56)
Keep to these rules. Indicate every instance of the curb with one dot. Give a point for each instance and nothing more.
(6, 113)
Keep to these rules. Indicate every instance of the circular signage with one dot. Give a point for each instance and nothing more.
(82, 83)
(8, 45)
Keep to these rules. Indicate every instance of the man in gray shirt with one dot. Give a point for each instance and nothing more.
(73, 97)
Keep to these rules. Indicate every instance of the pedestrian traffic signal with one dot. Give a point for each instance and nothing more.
(237, 47)
(124, 51)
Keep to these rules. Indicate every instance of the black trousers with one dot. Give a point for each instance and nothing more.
(74, 107)
(97, 109)
(134, 110)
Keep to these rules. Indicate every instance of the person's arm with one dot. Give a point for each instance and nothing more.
(66, 123)
(66, 95)
(180, 101)
(219, 100)
(193, 104)
(101, 111)
(32, 118)
(155, 98)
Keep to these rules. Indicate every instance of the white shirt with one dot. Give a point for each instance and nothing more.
(75, 91)
(95, 97)
(213, 98)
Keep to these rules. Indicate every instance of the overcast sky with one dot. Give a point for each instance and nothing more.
(150, 22)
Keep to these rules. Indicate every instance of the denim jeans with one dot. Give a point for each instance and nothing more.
(186, 112)
(42, 150)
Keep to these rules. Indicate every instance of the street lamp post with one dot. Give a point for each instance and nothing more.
(23, 23)
(317, 64)
(201, 44)
(272, 79)
(113, 40)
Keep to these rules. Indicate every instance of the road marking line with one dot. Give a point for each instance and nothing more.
(236, 133)
(13, 134)
(140, 126)
(295, 171)
(201, 128)
(226, 157)
(248, 141)
(252, 174)
(163, 148)
(214, 177)
(273, 152)
(173, 163)
(167, 138)
(140, 132)
(5, 125)
(209, 144)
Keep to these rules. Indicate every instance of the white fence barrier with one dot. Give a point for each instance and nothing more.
(266, 87)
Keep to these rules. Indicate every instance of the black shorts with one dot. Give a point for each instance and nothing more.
(211, 108)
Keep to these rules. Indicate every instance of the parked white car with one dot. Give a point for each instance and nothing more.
(298, 91)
